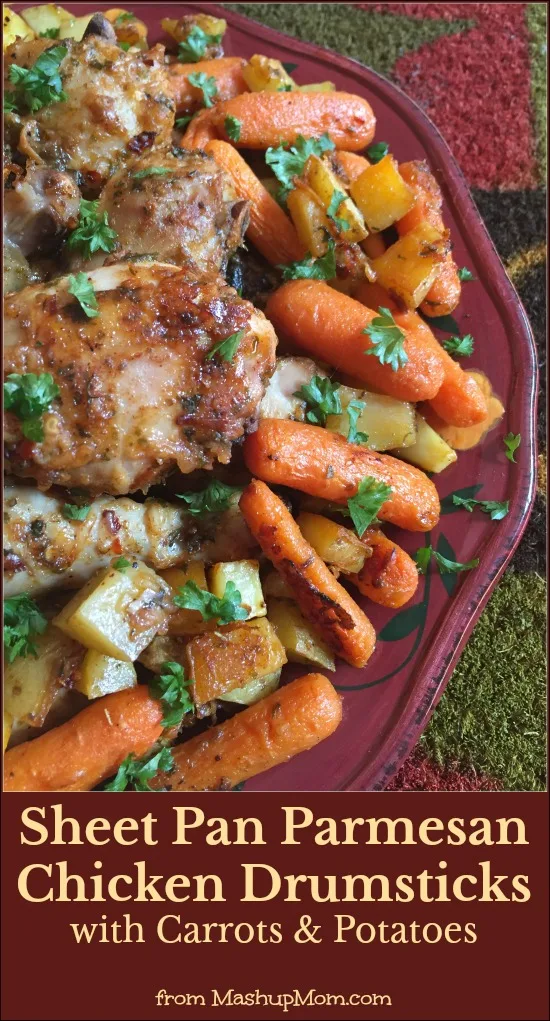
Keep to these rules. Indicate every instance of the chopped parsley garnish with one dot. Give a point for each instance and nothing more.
(387, 339)
(72, 512)
(232, 126)
(49, 33)
(182, 122)
(465, 274)
(28, 396)
(41, 84)
(227, 349)
(224, 610)
(22, 622)
(377, 151)
(511, 444)
(323, 268)
(93, 233)
(125, 46)
(125, 16)
(171, 688)
(336, 201)
(459, 345)
(354, 409)
(289, 162)
(285, 87)
(496, 508)
(10, 106)
(81, 287)
(207, 84)
(194, 47)
(364, 506)
(150, 172)
(425, 554)
(322, 398)
(134, 774)
(215, 498)
(121, 564)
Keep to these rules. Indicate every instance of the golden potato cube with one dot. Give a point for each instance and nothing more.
(387, 422)
(180, 29)
(118, 612)
(264, 74)
(102, 675)
(319, 87)
(8, 723)
(300, 641)
(245, 575)
(31, 683)
(15, 28)
(50, 16)
(409, 267)
(252, 692)
(232, 656)
(325, 183)
(274, 586)
(185, 622)
(128, 30)
(335, 544)
(429, 451)
(311, 223)
(381, 194)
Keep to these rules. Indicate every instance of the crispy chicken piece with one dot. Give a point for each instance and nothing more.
(45, 550)
(138, 393)
(114, 101)
(180, 208)
(39, 206)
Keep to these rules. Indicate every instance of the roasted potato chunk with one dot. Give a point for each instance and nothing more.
(245, 575)
(232, 656)
(101, 675)
(409, 267)
(429, 450)
(31, 684)
(264, 74)
(336, 545)
(381, 194)
(300, 641)
(256, 689)
(387, 422)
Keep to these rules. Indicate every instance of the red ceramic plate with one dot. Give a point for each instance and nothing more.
(387, 705)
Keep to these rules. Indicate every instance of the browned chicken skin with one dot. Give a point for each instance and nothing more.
(138, 395)
(184, 211)
(39, 206)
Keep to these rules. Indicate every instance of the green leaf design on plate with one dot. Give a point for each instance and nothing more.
(444, 547)
(446, 323)
(403, 623)
(468, 493)
(289, 67)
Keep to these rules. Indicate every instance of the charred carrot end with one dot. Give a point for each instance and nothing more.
(83, 752)
(227, 71)
(200, 131)
(273, 118)
(331, 326)
(329, 608)
(325, 465)
(269, 229)
(289, 721)
(389, 576)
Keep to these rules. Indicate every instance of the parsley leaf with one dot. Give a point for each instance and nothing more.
(72, 512)
(322, 398)
(93, 233)
(215, 498)
(29, 396)
(232, 127)
(366, 503)
(41, 84)
(136, 773)
(288, 163)
(182, 122)
(465, 274)
(82, 288)
(387, 340)
(125, 16)
(377, 151)
(50, 33)
(125, 46)
(285, 87)
(150, 172)
(354, 409)
(512, 443)
(171, 690)
(207, 85)
(194, 46)
(10, 105)
(425, 553)
(121, 564)
(336, 201)
(323, 268)
(459, 345)
(22, 622)
(226, 349)
(495, 508)
(225, 610)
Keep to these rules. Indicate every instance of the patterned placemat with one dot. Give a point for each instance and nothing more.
(479, 72)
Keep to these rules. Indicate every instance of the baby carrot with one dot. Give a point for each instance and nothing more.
(269, 229)
(227, 71)
(350, 165)
(275, 118)
(90, 747)
(321, 598)
(199, 131)
(289, 721)
(324, 464)
(389, 576)
(330, 326)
